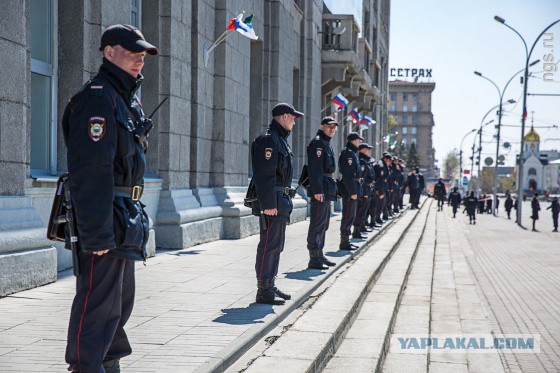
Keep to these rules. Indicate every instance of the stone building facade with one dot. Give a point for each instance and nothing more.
(410, 104)
(198, 163)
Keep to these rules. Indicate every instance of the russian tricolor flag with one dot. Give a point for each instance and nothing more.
(367, 121)
(339, 102)
(354, 114)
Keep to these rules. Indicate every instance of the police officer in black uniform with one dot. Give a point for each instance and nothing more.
(422, 183)
(322, 190)
(413, 185)
(104, 128)
(455, 200)
(440, 194)
(375, 201)
(272, 173)
(535, 208)
(402, 182)
(388, 166)
(508, 205)
(367, 176)
(349, 167)
(471, 203)
(381, 185)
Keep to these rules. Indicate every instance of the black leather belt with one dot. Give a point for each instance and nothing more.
(133, 192)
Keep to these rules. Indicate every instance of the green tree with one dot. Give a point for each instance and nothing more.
(391, 122)
(451, 164)
(412, 158)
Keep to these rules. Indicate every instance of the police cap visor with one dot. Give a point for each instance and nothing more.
(284, 108)
(129, 37)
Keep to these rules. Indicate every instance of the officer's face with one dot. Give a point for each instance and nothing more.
(128, 61)
(287, 121)
(329, 129)
(366, 151)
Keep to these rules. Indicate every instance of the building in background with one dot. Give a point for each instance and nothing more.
(198, 163)
(410, 104)
(540, 167)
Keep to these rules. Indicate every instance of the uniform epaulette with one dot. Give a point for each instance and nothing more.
(317, 137)
(95, 89)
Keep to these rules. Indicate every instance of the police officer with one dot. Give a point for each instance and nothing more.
(349, 167)
(382, 184)
(413, 185)
(555, 209)
(422, 183)
(470, 205)
(402, 183)
(387, 161)
(375, 201)
(102, 124)
(367, 176)
(272, 173)
(440, 193)
(322, 189)
(454, 200)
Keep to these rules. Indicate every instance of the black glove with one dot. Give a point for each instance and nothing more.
(293, 193)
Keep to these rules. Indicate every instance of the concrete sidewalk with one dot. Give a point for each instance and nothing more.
(193, 307)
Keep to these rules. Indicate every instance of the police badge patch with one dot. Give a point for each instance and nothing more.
(350, 161)
(363, 168)
(319, 152)
(268, 153)
(96, 128)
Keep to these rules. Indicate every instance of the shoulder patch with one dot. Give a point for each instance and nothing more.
(319, 152)
(96, 90)
(96, 128)
(317, 137)
(268, 153)
(350, 161)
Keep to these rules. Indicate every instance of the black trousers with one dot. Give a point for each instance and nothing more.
(440, 202)
(362, 212)
(508, 213)
(318, 224)
(401, 198)
(102, 305)
(349, 207)
(380, 206)
(555, 221)
(271, 244)
(374, 202)
(387, 204)
(455, 207)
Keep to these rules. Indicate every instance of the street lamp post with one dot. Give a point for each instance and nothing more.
(461, 159)
(524, 115)
(501, 95)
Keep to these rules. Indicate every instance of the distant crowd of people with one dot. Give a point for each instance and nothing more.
(483, 204)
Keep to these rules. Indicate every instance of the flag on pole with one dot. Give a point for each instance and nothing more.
(244, 27)
(363, 126)
(354, 114)
(339, 102)
(367, 121)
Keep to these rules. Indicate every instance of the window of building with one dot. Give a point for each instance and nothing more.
(413, 119)
(414, 97)
(393, 97)
(405, 108)
(392, 107)
(44, 69)
(532, 171)
(414, 108)
(405, 119)
(413, 130)
(135, 16)
(404, 130)
(405, 97)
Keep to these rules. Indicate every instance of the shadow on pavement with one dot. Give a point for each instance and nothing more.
(339, 253)
(251, 314)
(180, 253)
(304, 274)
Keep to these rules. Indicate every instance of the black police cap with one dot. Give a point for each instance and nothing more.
(388, 156)
(354, 136)
(285, 108)
(365, 145)
(129, 37)
(329, 120)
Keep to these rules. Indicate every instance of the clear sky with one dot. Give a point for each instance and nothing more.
(455, 38)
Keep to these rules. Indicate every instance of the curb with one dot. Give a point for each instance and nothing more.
(230, 354)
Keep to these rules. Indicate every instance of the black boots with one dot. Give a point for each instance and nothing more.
(346, 245)
(325, 260)
(316, 260)
(279, 293)
(267, 292)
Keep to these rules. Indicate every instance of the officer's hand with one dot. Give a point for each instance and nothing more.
(318, 197)
(354, 196)
(366, 197)
(271, 212)
(101, 252)
(381, 196)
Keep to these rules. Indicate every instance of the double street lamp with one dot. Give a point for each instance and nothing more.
(499, 127)
(524, 115)
(461, 159)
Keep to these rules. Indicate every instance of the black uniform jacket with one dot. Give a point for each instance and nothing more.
(536, 207)
(349, 167)
(439, 190)
(367, 174)
(381, 177)
(98, 125)
(455, 198)
(470, 204)
(421, 181)
(271, 158)
(555, 207)
(322, 165)
(412, 181)
(509, 204)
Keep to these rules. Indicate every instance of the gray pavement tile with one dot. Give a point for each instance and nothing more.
(350, 365)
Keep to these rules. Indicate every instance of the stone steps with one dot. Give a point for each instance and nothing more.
(313, 334)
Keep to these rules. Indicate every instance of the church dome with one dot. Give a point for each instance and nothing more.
(532, 136)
